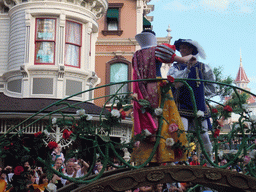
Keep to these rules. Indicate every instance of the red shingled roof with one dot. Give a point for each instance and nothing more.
(241, 75)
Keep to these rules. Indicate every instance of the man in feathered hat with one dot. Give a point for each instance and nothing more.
(193, 70)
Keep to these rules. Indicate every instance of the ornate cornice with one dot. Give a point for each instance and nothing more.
(129, 41)
(96, 7)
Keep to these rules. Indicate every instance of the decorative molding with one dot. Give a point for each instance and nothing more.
(23, 71)
(94, 10)
(127, 41)
(61, 71)
(9, 3)
(114, 32)
(125, 179)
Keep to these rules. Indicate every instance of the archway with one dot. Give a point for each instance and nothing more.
(121, 180)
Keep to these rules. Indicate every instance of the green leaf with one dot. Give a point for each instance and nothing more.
(127, 108)
(144, 103)
(143, 110)
(119, 105)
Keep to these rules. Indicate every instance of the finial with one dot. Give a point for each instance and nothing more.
(169, 31)
(241, 58)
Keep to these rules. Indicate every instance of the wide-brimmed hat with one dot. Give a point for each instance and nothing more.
(197, 49)
(146, 39)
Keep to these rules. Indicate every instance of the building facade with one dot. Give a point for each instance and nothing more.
(116, 43)
(48, 47)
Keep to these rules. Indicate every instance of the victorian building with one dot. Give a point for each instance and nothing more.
(47, 53)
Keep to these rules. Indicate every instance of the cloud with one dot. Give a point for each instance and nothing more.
(216, 4)
(221, 6)
(229, 6)
(246, 9)
(178, 6)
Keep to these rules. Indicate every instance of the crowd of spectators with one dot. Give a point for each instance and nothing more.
(38, 178)
(42, 180)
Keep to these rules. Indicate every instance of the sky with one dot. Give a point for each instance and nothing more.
(224, 28)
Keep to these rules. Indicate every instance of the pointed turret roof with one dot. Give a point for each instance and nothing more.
(241, 75)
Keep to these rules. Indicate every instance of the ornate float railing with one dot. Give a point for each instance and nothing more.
(79, 128)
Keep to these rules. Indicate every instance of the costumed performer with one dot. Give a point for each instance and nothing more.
(193, 70)
(146, 65)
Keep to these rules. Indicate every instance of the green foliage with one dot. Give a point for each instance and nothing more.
(222, 90)
(91, 138)
(237, 100)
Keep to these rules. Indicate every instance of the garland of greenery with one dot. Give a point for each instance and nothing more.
(83, 130)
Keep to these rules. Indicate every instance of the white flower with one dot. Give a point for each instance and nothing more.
(54, 121)
(220, 154)
(80, 112)
(147, 133)
(97, 155)
(88, 118)
(253, 154)
(253, 118)
(115, 113)
(46, 132)
(158, 111)
(51, 187)
(169, 142)
(200, 113)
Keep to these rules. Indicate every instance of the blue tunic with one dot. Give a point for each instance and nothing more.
(182, 95)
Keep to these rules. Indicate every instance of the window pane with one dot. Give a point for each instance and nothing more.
(72, 55)
(73, 33)
(118, 73)
(112, 25)
(45, 29)
(44, 52)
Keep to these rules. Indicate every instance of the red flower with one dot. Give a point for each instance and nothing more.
(6, 148)
(123, 114)
(74, 126)
(214, 110)
(66, 134)
(216, 133)
(38, 134)
(163, 83)
(170, 79)
(178, 153)
(228, 108)
(52, 144)
(18, 170)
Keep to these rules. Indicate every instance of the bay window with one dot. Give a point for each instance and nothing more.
(45, 41)
(73, 44)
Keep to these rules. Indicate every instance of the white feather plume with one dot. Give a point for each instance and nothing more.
(200, 49)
